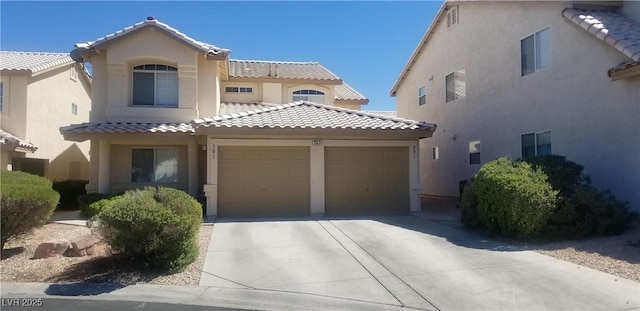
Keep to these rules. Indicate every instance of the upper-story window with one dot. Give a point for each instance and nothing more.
(536, 144)
(452, 16)
(455, 85)
(155, 85)
(1, 95)
(237, 89)
(422, 96)
(73, 73)
(536, 52)
(309, 95)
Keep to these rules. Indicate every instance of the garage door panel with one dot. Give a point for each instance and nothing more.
(263, 181)
(366, 180)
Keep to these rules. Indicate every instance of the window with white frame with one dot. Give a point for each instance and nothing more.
(435, 154)
(155, 85)
(1, 95)
(452, 16)
(74, 109)
(536, 52)
(534, 144)
(455, 85)
(422, 96)
(309, 95)
(158, 165)
(236, 89)
(474, 152)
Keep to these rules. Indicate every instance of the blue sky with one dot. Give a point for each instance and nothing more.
(366, 43)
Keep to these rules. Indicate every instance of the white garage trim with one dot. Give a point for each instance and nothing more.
(317, 167)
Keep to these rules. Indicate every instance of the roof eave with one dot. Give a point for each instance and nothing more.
(630, 71)
(314, 133)
(418, 49)
(286, 80)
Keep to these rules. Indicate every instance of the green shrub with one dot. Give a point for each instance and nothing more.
(26, 201)
(469, 207)
(155, 227)
(513, 199)
(70, 191)
(587, 212)
(87, 200)
(563, 175)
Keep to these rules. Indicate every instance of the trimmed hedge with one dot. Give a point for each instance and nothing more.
(26, 201)
(513, 199)
(88, 206)
(155, 227)
(70, 191)
(579, 210)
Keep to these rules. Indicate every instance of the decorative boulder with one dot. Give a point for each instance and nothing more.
(51, 248)
(84, 245)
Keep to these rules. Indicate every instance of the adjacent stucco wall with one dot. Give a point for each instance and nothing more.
(590, 117)
(14, 105)
(631, 9)
(36, 106)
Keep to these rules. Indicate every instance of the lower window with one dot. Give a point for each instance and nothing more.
(154, 165)
(534, 144)
(474, 152)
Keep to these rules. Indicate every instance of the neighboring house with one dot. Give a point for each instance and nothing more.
(257, 138)
(39, 92)
(528, 78)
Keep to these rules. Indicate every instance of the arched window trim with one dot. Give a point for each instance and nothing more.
(310, 95)
(155, 85)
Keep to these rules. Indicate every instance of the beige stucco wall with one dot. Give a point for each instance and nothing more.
(254, 97)
(112, 95)
(37, 106)
(590, 117)
(14, 108)
(276, 92)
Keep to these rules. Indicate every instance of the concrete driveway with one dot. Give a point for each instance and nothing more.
(403, 261)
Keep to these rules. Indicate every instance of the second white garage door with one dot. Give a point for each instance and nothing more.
(263, 181)
(363, 181)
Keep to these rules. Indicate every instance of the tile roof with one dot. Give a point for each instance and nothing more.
(230, 108)
(206, 48)
(126, 128)
(311, 116)
(345, 92)
(7, 138)
(392, 114)
(618, 31)
(282, 70)
(32, 61)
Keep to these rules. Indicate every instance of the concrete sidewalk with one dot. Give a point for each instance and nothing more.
(249, 299)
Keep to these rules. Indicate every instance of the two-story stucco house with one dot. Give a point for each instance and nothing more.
(39, 92)
(527, 78)
(257, 138)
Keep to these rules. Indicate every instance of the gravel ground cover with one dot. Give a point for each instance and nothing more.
(16, 265)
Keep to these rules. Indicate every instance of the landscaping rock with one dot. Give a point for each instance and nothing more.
(82, 243)
(51, 248)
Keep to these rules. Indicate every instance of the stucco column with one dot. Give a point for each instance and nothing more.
(104, 178)
(414, 178)
(192, 164)
(211, 188)
(316, 157)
